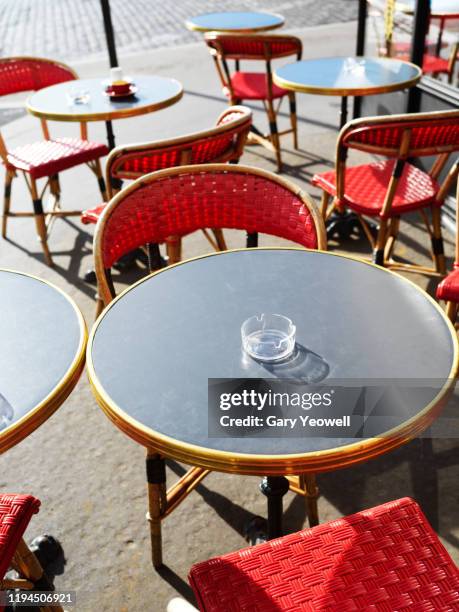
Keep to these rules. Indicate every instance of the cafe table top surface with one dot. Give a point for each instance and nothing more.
(438, 8)
(235, 21)
(347, 76)
(153, 350)
(41, 353)
(152, 93)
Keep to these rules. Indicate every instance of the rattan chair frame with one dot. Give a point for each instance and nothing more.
(272, 140)
(384, 243)
(452, 308)
(161, 502)
(44, 219)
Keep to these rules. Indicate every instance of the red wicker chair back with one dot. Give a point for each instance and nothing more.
(254, 46)
(30, 74)
(223, 143)
(179, 201)
(425, 134)
(15, 514)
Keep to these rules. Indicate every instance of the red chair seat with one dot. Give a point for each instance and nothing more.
(366, 188)
(448, 289)
(49, 157)
(252, 86)
(430, 63)
(379, 560)
(92, 214)
(15, 514)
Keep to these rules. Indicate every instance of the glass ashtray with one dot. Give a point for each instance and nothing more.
(268, 337)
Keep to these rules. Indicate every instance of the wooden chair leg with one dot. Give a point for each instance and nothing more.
(28, 567)
(274, 134)
(324, 204)
(6, 201)
(311, 493)
(40, 222)
(293, 118)
(394, 227)
(157, 502)
(99, 306)
(219, 239)
(438, 254)
(174, 249)
(378, 253)
(451, 311)
(100, 180)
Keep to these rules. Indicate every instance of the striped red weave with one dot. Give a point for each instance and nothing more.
(384, 559)
(15, 514)
(181, 203)
(30, 74)
(256, 46)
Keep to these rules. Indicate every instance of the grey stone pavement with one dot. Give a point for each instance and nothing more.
(89, 476)
(71, 29)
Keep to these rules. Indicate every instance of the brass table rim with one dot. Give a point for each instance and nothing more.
(243, 463)
(116, 113)
(344, 92)
(195, 28)
(24, 426)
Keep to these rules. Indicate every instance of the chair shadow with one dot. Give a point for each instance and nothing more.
(177, 583)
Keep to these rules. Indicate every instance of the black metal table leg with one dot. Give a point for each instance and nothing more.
(343, 112)
(274, 487)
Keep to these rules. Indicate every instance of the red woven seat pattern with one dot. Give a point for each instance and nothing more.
(430, 63)
(256, 47)
(365, 188)
(448, 289)
(182, 203)
(15, 514)
(252, 86)
(29, 74)
(49, 157)
(432, 135)
(384, 559)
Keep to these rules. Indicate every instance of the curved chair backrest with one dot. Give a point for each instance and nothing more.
(181, 200)
(253, 46)
(223, 143)
(402, 137)
(31, 74)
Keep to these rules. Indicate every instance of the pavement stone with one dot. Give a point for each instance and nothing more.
(69, 30)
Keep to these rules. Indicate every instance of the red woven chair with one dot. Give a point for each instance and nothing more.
(388, 189)
(223, 143)
(379, 560)
(15, 514)
(45, 159)
(241, 86)
(448, 289)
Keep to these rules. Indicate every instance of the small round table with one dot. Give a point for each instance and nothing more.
(439, 9)
(151, 353)
(41, 354)
(55, 102)
(244, 22)
(347, 76)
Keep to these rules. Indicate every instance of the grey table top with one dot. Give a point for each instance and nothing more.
(152, 352)
(347, 76)
(235, 21)
(55, 102)
(41, 354)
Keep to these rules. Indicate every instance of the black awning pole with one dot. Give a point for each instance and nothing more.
(418, 45)
(109, 34)
(360, 46)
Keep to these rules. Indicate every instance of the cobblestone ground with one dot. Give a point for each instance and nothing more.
(70, 30)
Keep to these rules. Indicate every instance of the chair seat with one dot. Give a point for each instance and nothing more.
(252, 86)
(430, 63)
(382, 559)
(15, 514)
(49, 157)
(448, 289)
(366, 188)
(92, 214)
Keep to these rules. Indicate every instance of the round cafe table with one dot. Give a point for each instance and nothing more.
(439, 9)
(232, 21)
(347, 76)
(55, 102)
(41, 353)
(152, 351)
